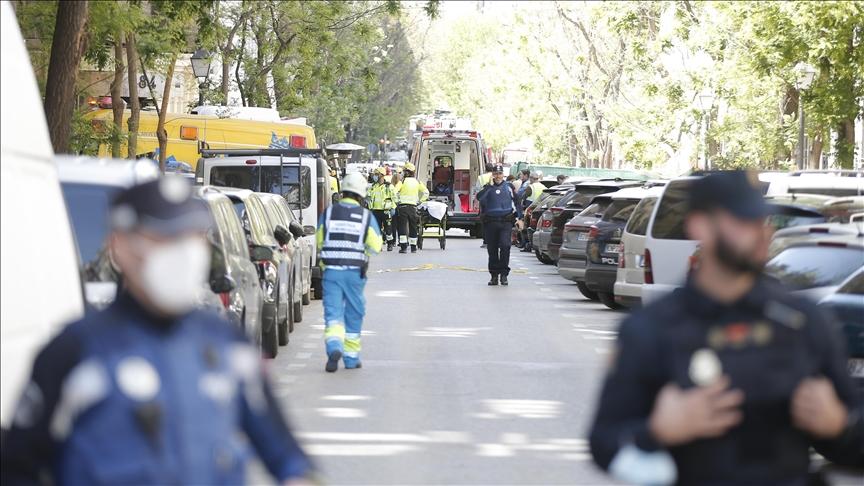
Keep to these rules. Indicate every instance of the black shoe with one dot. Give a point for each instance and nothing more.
(333, 361)
(503, 279)
(413, 248)
(390, 247)
(403, 250)
(483, 245)
(493, 280)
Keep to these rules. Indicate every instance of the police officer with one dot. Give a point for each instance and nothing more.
(346, 234)
(409, 194)
(729, 379)
(382, 201)
(498, 201)
(150, 390)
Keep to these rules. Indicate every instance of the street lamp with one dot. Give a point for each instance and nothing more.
(706, 102)
(804, 78)
(201, 68)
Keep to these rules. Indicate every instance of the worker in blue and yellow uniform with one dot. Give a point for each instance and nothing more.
(150, 390)
(498, 203)
(334, 184)
(381, 202)
(347, 233)
(408, 196)
(730, 379)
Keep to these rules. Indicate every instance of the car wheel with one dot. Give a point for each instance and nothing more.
(589, 294)
(546, 259)
(270, 342)
(298, 313)
(317, 289)
(538, 255)
(608, 300)
(284, 330)
(307, 297)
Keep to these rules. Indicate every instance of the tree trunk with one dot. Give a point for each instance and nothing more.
(117, 105)
(134, 101)
(161, 133)
(846, 144)
(66, 51)
(815, 157)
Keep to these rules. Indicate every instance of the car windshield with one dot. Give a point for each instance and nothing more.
(806, 267)
(266, 179)
(854, 285)
(620, 210)
(596, 208)
(787, 217)
(88, 208)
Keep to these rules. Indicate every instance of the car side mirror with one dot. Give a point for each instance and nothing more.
(222, 284)
(296, 229)
(282, 235)
(308, 230)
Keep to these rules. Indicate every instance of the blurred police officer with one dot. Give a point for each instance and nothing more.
(498, 203)
(150, 390)
(346, 234)
(729, 379)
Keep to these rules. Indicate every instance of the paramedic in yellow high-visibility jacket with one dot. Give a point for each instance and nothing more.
(408, 196)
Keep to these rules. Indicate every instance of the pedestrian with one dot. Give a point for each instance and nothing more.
(347, 234)
(498, 201)
(396, 184)
(150, 390)
(533, 190)
(560, 178)
(729, 379)
(409, 194)
(382, 201)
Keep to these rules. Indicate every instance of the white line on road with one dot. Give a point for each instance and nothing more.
(601, 338)
(310, 345)
(595, 331)
(303, 355)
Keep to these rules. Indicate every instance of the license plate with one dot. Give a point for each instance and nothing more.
(613, 248)
(582, 237)
(856, 367)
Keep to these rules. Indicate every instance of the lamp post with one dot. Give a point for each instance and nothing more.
(803, 79)
(706, 102)
(201, 68)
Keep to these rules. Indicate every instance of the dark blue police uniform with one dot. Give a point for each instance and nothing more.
(767, 343)
(125, 397)
(498, 204)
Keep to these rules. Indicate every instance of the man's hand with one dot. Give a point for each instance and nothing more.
(681, 416)
(817, 410)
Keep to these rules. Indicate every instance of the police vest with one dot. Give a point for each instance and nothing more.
(345, 229)
(536, 189)
(409, 191)
(498, 199)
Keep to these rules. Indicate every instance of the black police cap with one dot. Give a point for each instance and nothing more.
(735, 191)
(498, 168)
(164, 206)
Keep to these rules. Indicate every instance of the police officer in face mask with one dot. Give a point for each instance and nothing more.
(729, 380)
(150, 390)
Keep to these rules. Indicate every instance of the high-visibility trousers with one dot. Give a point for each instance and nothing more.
(344, 308)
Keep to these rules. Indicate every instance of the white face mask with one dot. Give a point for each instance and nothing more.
(174, 273)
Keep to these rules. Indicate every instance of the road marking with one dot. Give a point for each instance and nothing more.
(296, 366)
(457, 332)
(533, 277)
(341, 412)
(310, 345)
(494, 450)
(602, 350)
(346, 398)
(602, 338)
(595, 331)
(355, 450)
(303, 355)
(390, 293)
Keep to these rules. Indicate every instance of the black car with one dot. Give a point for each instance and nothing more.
(573, 203)
(604, 245)
(572, 259)
(847, 304)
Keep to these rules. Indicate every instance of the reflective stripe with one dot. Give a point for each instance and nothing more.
(403, 239)
(413, 241)
(343, 255)
(352, 345)
(352, 335)
(334, 332)
(351, 354)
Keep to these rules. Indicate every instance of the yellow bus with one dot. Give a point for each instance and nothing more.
(186, 131)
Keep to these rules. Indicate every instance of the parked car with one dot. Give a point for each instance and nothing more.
(307, 244)
(837, 183)
(604, 244)
(573, 203)
(572, 257)
(630, 276)
(816, 268)
(847, 305)
(89, 185)
(294, 249)
(304, 183)
(543, 230)
(264, 251)
(796, 209)
(667, 248)
(245, 301)
(42, 288)
(798, 234)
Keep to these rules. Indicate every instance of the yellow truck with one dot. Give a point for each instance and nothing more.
(186, 132)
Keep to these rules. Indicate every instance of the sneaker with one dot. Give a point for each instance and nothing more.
(333, 361)
(493, 280)
(403, 250)
(503, 279)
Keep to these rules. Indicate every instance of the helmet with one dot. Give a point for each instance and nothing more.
(409, 166)
(354, 183)
(381, 171)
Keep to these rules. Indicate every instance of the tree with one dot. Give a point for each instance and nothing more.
(67, 48)
(134, 101)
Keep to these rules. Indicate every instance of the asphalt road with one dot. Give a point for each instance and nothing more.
(461, 383)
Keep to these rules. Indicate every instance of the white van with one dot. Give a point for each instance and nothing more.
(631, 270)
(837, 183)
(304, 184)
(666, 260)
(449, 163)
(40, 284)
